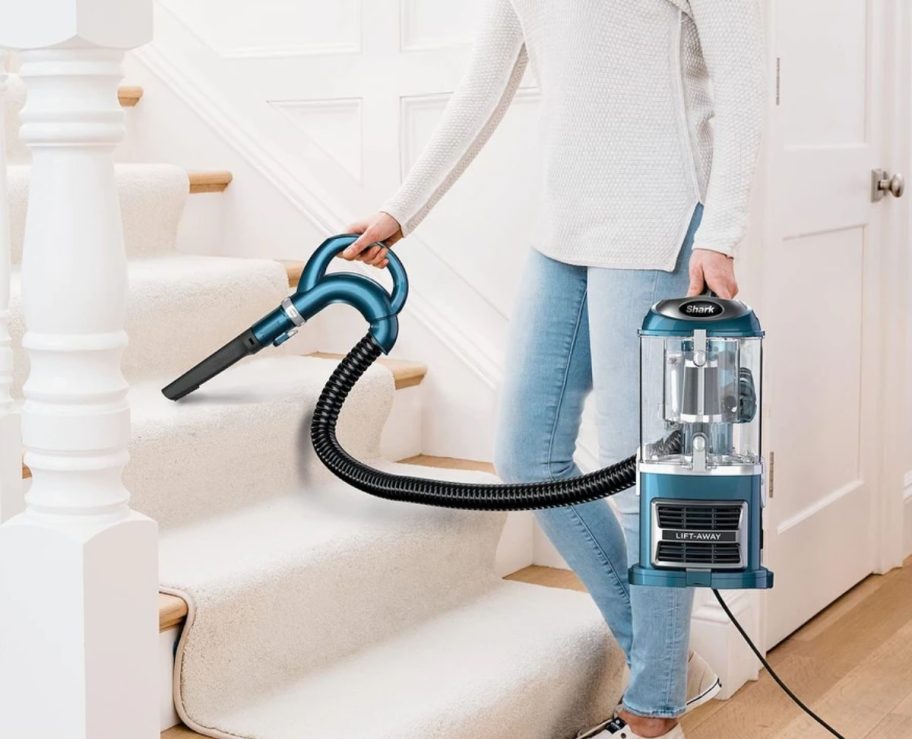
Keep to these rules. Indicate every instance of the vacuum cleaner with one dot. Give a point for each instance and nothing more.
(698, 469)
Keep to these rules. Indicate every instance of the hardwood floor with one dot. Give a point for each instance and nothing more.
(852, 664)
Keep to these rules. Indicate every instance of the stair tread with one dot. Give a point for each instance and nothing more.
(172, 611)
(450, 463)
(148, 404)
(540, 670)
(534, 574)
(214, 181)
(224, 530)
(324, 518)
(129, 95)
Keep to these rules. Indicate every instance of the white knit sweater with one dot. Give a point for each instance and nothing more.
(633, 92)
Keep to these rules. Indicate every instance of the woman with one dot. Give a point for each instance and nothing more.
(642, 198)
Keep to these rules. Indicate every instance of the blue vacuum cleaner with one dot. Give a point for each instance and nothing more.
(701, 507)
(698, 469)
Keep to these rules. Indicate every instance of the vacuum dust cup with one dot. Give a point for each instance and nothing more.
(701, 504)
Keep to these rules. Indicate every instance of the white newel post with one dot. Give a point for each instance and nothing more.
(78, 569)
(10, 439)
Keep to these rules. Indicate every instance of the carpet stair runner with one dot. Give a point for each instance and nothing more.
(314, 610)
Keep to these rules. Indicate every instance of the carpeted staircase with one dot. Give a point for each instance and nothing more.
(314, 610)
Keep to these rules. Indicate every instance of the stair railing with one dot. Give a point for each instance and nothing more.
(10, 438)
(78, 568)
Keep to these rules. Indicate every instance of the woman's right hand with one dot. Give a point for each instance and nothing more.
(379, 227)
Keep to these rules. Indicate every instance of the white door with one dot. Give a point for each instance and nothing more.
(822, 272)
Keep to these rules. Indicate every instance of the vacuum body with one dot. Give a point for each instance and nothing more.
(701, 504)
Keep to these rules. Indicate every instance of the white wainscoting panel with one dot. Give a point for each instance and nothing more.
(336, 126)
(430, 24)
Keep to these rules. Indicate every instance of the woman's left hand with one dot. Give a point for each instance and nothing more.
(713, 270)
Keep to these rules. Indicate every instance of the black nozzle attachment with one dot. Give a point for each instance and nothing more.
(235, 350)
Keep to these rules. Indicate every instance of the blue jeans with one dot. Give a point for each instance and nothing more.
(576, 330)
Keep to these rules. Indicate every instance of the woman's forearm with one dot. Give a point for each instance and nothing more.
(474, 111)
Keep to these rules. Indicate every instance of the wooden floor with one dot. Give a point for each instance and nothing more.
(852, 664)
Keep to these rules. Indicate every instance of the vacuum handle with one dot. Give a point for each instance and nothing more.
(220, 360)
(319, 262)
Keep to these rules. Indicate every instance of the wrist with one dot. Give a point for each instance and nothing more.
(704, 251)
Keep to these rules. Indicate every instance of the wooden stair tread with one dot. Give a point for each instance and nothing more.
(171, 611)
(129, 95)
(293, 269)
(405, 372)
(450, 463)
(549, 577)
(216, 181)
(180, 732)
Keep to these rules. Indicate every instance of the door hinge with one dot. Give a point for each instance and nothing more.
(771, 487)
(778, 80)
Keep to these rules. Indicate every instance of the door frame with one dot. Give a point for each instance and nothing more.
(886, 283)
(892, 505)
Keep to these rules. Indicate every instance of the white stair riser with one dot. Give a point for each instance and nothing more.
(401, 436)
(152, 198)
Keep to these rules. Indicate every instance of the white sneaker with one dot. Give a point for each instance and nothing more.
(702, 683)
(702, 686)
(616, 728)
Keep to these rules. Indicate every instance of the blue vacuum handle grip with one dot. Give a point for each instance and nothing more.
(319, 262)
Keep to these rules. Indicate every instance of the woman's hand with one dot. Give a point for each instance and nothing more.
(714, 270)
(379, 227)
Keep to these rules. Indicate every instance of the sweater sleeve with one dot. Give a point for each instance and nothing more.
(476, 108)
(731, 36)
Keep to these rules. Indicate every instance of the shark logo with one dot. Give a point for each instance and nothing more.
(701, 309)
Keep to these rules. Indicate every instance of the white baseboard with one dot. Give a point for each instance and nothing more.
(907, 515)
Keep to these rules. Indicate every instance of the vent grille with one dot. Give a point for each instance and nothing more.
(700, 518)
(708, 554)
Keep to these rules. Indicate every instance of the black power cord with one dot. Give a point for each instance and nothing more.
(770, 670)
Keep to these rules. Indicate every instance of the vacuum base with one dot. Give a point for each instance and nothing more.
(761, 579)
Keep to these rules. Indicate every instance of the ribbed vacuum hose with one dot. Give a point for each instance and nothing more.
(469, 496)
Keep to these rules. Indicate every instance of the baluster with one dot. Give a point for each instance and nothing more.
(10, 438)
(78, 568)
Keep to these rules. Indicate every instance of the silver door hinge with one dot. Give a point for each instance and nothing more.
(778, 80)
(772, 474)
